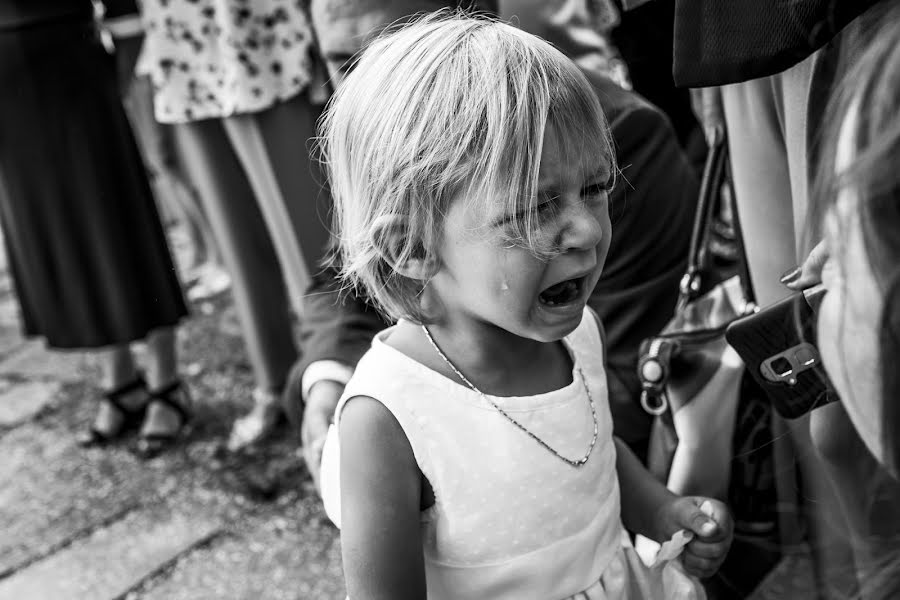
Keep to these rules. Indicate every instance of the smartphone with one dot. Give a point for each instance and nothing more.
(778, 345)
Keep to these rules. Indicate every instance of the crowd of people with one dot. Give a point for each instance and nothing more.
(475, 212)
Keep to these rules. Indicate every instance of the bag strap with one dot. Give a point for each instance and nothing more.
(743, 267)
(656, 353)
(710, 185)
(715, 175)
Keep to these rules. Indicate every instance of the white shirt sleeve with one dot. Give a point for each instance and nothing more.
(324, 370)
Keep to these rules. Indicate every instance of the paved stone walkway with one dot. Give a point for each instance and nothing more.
(196, 523)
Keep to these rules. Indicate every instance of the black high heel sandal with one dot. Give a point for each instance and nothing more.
(174, 396)
(131, 417)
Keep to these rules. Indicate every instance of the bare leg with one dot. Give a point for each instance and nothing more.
(172, 188)
(767, 127)
(117, 370)
(161, 369)
(208, 273)
(207, 276)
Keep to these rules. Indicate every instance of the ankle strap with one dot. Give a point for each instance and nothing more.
(115, 395)
(166, 395)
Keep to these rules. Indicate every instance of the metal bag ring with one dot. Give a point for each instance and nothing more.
(659, 409)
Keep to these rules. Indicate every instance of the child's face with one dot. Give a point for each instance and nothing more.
(488, 284)
(849, 318)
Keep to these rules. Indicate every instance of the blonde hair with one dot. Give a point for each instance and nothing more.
(450, 106)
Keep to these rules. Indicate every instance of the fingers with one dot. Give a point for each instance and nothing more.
(317, 415)
(315, 424)
(700, 567)
(711, 524)
(312, 455)
(703, 559)
(810, 272)
(706, 518)
(312, 435)
(705, 553)
(717, 512)
(707, 550)
(702, 525)
(319, 410)
(702, 515)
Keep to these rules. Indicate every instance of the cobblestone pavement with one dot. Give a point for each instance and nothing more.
(195, 523)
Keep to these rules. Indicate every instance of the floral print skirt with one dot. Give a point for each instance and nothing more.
(216, 58)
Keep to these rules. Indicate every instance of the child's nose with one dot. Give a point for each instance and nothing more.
(584, 229)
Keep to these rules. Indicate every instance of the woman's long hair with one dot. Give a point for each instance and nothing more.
(870, 86)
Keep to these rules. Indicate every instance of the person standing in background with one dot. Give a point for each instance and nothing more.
(198, 258)
(237, 79)
(87, 252)
(765, 69)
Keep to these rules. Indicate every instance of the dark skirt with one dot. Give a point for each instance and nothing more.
(87, 251)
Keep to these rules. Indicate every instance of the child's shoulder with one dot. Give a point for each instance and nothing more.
(394, 350)
(369, 422)
(405, 338)
(393, 373)
(410, 342)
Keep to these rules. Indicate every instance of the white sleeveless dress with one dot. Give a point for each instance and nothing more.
(510, 521)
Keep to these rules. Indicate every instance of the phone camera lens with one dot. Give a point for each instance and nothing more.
(781, 366)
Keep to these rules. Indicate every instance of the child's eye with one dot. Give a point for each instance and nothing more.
(532, 219)
(596, 189)
(542, 214)
(545, 208)
(536, 214)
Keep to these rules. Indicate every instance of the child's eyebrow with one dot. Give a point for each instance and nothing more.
(602, 173)
(509, 213)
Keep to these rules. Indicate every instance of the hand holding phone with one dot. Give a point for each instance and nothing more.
(777, 344)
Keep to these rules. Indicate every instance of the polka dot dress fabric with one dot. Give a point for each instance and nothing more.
(217, 58)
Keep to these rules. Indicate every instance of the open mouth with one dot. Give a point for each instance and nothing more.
(563, 292)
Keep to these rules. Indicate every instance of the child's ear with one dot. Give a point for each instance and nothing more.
(390, 235)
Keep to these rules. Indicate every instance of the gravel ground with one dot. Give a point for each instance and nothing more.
(275, 541)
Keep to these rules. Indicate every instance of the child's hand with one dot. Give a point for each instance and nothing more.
(711, 524)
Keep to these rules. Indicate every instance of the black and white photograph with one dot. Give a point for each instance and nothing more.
(449, 299)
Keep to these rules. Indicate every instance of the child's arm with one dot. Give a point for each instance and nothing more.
(652, 510)
(642, 495)
(380, 506)
(648, 508)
